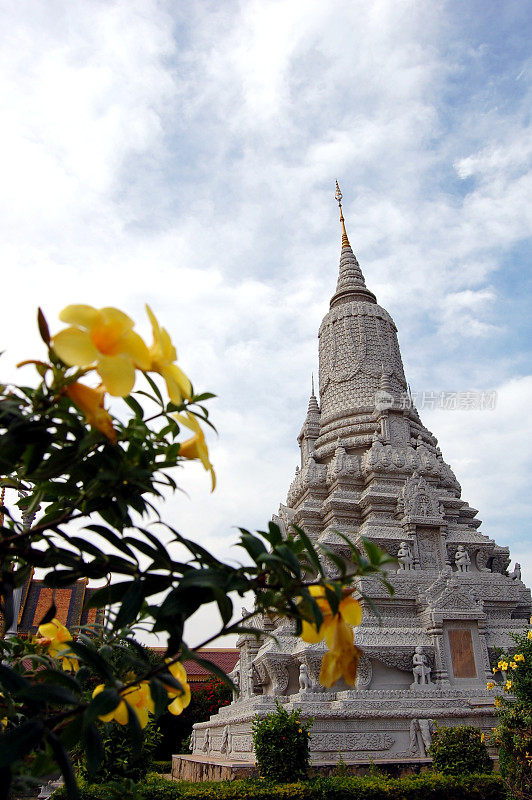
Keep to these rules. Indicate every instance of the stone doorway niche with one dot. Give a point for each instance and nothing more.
(463, 652)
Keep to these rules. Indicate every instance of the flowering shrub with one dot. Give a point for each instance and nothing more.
(513, 735)
(281, 742)
(65, 458)
(459, 750)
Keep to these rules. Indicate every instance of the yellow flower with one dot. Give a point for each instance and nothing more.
(196, 446)
(90, 403)
(162, 357)
(349, 611)
(181, 698)
(490, 685)
(137, 699)
(482, 736)
(503, 665)
(341, 662)
(495, 670)
(102, 337)
(513, 665)
(529, 635)
(507, 686)
(55, 636)
(519, 657)
(497, 702)
(343, 656)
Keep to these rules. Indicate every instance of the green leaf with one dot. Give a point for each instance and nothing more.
(101, 704)
(43, 327)
(289, 558)
(131, 605)
(112, 538)
(49, 616)
(311, 550)
(12, 681)
(94, 752)
(20, 741)
(107, 595)
(65, 765)
(134, 729)
(44, 693)
(91, 657)
(252, 545)
(155, 389)
(200, 397)
(275, 537)
(135, 406)
(159, 696)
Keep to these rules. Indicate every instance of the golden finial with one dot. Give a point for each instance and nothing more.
(338, 195)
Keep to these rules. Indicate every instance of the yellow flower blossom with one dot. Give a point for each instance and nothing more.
(513, 665)
(482, 736)
(507, 686)
(497, 702)
(55, 636)
(162, 357)
(90, 403)
(503, 665)
(103, 338)
(196, 446)
(343, 656)
(490, 685)
(529, 635)
(519, 657)
(137, 699)
(495, 670)
(181, 698)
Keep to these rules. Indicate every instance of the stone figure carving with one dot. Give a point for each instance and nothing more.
(420, 668)
(304, 680)
(225, 746)
(405, 558)
(206, 741)
(421, 731)
(192, 745)
(250, 687)
(461, 559)
(516, 574)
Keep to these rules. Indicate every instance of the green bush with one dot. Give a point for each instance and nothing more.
(281, 743)
(121, 759)
(459, 751)
(427, 786)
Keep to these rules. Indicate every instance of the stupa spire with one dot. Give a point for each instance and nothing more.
(351, 284)
(338, 195)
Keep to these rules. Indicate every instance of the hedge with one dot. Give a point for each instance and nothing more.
(426, 786)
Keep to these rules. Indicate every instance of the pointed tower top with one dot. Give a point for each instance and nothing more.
(351, 284)
(338, 195)
(312, 383)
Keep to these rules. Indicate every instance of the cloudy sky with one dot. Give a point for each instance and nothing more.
(184, 154)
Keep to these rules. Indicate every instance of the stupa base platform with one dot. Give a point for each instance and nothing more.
(361, 726)
(207, 768)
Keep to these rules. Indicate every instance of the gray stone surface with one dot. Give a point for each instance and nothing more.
(370, 468)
